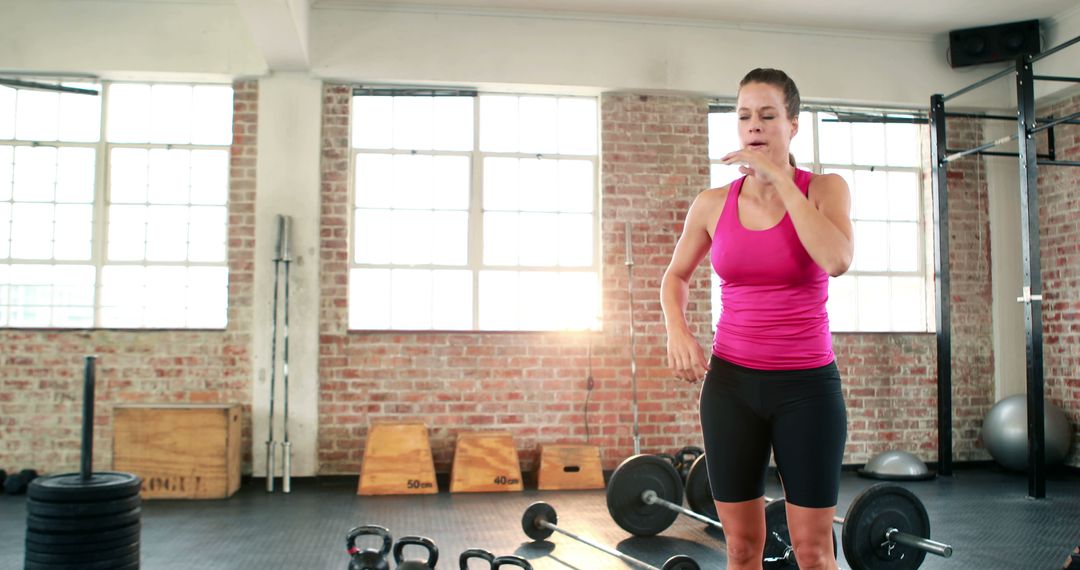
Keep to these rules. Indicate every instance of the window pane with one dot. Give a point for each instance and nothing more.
(539, 122)
(842, 305)
(450, 238)
(868, 140)
(903, 196)
(874, 306)
(373, 122)
(451, 182)
(538, 248)
(500, 238)
(208, 234)
(451, 300)
(580, 301)
(123, 295)
(169, 182)
(127, 233)
(500, 184)
(35, 174)
(412, 123)
(575, 186)
(577, 125)
(212, 114)
(31, 231)
(871, 195)
(834, 140)
(7, 171)
(166, 296)
(575, 240)
(499, 300)
(37, 115)
(802, 146)
(74, 230)
(80, 115)
(129, 113)
(539, 180)
(75, 175)
(7, 112)
(410, 302)
(541, 304)
(170, 114)
(723, 174)
(73, 286)
(208, 297)
(902, 144)
(129, 172)
(498, 123)
(723, 134)
(372, 231)
(166, 233)
(412, 181)
(453, 123)
(411, 237)
(5, 233)
(369, 299)
(908, 304)
(871, 246)
(374, 180)
(903, 246)
(210, 177)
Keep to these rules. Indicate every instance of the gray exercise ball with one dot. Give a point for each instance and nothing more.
(1005, 433)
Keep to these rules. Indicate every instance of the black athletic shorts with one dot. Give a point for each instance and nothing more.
(798, 414)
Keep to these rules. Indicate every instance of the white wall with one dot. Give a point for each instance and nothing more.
(288, 183)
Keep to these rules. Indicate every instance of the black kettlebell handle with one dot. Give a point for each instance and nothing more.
(369, 529)
(433, 551)
(511, 560)
(463, 560)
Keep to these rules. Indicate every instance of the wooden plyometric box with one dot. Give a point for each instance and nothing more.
(398, 461)
(485, 462)
(570, 467)
(181, 451)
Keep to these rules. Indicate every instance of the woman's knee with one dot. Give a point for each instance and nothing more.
(814, 553)
(744, 549)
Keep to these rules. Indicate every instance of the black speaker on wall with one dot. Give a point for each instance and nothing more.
(1003, 42)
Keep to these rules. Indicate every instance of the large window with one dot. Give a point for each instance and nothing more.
(121, 231)
(474, 213)
(888, 285)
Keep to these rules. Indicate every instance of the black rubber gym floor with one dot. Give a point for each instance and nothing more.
(983, 513)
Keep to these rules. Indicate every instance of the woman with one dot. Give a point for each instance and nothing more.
(774, 237)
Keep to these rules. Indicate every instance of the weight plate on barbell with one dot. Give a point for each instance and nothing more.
(680, 562)
(71, 488)
(79, 557)
(699, 491)
(79, 510)
(633, 477)
(778, 537)
(80, 548)
(537, 512)
(875, 510)
(131, 561)
(48, 540)
(87, 524)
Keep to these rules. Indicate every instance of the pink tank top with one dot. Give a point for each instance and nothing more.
(773, 294)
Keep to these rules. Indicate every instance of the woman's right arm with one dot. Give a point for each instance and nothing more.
(685, 357)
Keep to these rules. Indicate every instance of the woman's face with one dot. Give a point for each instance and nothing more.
(763, 122)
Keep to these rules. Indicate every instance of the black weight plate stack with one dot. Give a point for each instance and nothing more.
(871, 514)
(91, 524)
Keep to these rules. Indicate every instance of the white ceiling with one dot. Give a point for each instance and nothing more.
(898, 16)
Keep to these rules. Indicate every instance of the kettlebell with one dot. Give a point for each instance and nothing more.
(511, 560)
(685, 459)
(463, 560)
(369, 559)
(670, 459)
(17, 484)
(427, 543)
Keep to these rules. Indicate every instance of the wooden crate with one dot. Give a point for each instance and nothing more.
(181, 451)
(398, 461)
(570, 467)
(485, 462)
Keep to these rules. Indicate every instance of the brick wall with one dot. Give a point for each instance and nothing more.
(654, 161)
(41, 371)
(1059, 210)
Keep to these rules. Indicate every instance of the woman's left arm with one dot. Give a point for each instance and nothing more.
(822, 221)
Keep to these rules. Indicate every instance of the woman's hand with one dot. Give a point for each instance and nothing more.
(685, 357)
(757, 164)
